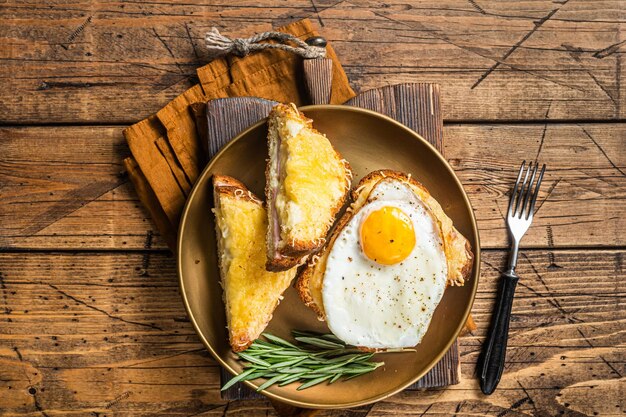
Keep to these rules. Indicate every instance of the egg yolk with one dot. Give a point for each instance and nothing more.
(387, 236)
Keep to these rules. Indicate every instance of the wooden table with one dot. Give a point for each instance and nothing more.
(91, 318)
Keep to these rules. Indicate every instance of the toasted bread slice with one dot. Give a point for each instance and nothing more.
(307, 183)
(251, 293)
(457, 248)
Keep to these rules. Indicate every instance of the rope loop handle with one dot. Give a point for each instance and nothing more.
(219, 45)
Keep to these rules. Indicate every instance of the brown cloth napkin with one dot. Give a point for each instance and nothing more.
(167, 153)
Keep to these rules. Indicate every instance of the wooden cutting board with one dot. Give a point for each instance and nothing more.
(414, 105)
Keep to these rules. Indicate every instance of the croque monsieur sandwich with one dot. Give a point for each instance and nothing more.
(386, 264)
(251, 293)
(307, 183)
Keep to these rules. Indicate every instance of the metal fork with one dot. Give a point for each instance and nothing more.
(518, 220)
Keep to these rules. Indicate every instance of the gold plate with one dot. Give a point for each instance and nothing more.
(369, 141)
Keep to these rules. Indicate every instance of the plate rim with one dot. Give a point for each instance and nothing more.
(474, 276)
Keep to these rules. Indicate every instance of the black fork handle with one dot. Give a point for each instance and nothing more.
(494, 350)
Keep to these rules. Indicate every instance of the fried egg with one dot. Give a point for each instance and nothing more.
(386, 271)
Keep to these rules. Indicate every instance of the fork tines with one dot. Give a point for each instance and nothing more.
(518, 206)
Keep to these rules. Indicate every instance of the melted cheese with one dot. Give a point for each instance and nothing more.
(314, 181)
(250, 292)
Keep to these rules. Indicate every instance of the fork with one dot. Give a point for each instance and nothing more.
(518, 220)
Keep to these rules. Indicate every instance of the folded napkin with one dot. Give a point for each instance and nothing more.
(167, 152)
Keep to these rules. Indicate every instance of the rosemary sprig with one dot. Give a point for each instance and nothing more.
(314, 358)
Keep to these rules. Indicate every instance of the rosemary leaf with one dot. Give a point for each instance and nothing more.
(314, 358)
(286, 363)
(254, 375)
(271, 382)
(336, 377)
(319, 342)
(236, 379)
(313, 382)
(278, 340)
(254, 359)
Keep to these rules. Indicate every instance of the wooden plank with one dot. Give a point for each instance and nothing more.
(79, 61)
(67, 185)
(494, 60)
(106, 333)
(417, 106)
(318, 77)
(584, 183)
(63, 187)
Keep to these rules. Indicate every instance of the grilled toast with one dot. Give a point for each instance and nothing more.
(251, 293)
(456, 247)
(307, 183)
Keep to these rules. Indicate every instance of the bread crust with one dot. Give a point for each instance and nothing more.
(303, 281)
(302, 288)
(283, 263)
(290, 253)
(223, 184)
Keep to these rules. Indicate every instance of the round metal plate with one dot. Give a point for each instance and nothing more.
(369, 141)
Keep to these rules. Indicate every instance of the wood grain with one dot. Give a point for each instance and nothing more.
(318, 77)
(417, 106)
(102, 331)
(227, 117)
(64, 187)
(107, 333)
(117, 62)
(66, 184)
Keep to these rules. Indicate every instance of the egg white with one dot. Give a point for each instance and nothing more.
(385, 306)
